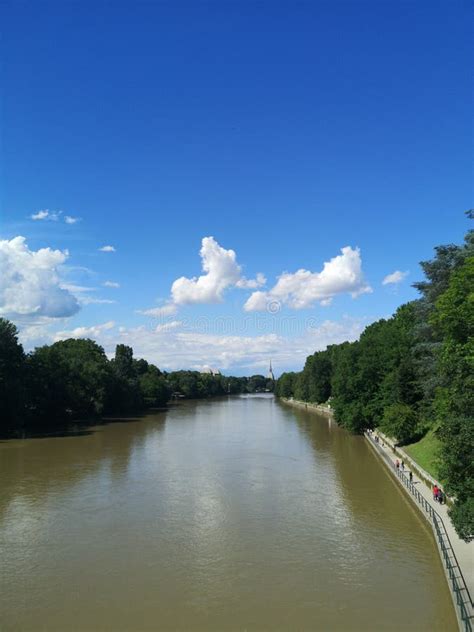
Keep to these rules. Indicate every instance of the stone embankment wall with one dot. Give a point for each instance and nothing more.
(320, 408)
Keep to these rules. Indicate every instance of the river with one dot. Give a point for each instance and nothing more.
(232, 514)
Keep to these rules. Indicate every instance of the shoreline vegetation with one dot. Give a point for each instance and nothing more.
(411, 376)
(72, 383)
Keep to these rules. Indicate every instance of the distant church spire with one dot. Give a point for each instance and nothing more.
(270, 375)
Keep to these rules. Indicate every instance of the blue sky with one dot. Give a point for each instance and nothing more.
(284, 132)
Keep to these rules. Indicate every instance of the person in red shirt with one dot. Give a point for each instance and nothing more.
(435, 492)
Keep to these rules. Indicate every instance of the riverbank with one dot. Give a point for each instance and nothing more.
(428, 479)
(320, 408)
(457, 556)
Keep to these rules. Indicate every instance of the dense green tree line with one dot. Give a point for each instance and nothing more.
(73, 380)
(411, 373)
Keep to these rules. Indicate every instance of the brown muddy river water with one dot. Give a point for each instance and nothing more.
(232, 514)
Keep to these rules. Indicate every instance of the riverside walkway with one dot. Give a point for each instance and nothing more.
(457, 555)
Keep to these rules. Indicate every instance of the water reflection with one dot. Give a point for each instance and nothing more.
(216, 515)
(378, 519)
(32, 469)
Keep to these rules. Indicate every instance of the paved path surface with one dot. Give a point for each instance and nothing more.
(463, 551)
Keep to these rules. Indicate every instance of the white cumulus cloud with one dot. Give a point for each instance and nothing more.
(221, 271)
(301, 289)
(107, 249)
(30, 282)
(395, 277)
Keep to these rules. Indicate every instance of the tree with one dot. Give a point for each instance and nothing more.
(125, 395)
(257, 383)
(348, 408)
(453, 320)
(399, 421)
(68, 380)
(12, 379)
(154, 389)
(285, 385)
(428, 339)
(123, 362)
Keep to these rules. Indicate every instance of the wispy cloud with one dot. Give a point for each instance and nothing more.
(54, 216)
(46, 215)
(84, 332)
(395, 277)
(107, 249)
(159, 312)
(173, 324)
(111, 284)
(71, 220)
(93, 300)
(83, 296)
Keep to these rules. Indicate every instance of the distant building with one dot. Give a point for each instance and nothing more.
(270, 375)
(210, 371)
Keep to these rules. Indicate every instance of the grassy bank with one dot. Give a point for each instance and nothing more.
(426, 453)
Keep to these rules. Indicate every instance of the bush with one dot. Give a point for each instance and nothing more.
(400, 421)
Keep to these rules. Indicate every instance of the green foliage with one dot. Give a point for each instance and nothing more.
(125, 395)
(410, 373)
(68, 380)
(454, 312)
(196, 385)
(12, 377)
(462, 515)
(313, 384)
(457, 449)
(154, 388)
(399, 420)
(285, 385)
(257, 383)
(429, 338)
(453, 319)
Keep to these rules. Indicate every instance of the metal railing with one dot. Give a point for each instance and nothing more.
(456, 581)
